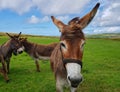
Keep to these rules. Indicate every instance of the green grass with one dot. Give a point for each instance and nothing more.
(101, 69)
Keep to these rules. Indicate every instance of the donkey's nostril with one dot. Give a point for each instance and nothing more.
(68, 77)
(20, 52)
(75, 81)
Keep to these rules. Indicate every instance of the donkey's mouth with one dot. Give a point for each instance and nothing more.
(15, 53)
(74, 82)
(74, 85)
(20, 52)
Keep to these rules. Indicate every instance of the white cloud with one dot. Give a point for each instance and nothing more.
(108, 18)
(59, 7)
(47, 7)
(63, 18)
(111, 15)
(107, 30)
(45, 19)
(19, 6)
(33, 20)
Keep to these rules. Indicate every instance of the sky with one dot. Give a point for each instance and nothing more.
(33, 16)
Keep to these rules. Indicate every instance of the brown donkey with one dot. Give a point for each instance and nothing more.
(66, 58)
(37, 51)
(11, 46)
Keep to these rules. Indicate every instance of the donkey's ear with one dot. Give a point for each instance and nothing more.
(83, 22)
(9, 35)
(58, 23)
(19, 34)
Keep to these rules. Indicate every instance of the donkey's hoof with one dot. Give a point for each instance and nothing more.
(38, 70)
(7, 81)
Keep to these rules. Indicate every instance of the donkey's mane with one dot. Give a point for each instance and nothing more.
(58, 67)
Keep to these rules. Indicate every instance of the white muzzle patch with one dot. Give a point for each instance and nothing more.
(20, 50)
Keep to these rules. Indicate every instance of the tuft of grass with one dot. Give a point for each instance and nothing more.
(101, 69)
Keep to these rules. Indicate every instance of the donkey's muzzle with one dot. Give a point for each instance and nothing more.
(73, 68)
(75, 82)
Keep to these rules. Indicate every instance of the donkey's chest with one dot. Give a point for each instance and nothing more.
(5, 58)
(6, 55)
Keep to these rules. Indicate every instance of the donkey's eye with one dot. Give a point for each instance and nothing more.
(63, 45)
(82, 45)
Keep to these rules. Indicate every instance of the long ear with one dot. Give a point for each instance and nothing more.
(9, 35)
(88, 17)
(19, 34)
(58, 23)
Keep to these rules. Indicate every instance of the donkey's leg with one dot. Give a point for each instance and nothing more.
(3, 64)
(37, 65)
(2, 71)
(8, 66)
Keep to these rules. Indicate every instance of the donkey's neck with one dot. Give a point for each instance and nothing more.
(6, 49)
(57, 65)
(28, 46)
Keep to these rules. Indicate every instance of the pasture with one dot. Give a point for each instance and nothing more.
(101, 68)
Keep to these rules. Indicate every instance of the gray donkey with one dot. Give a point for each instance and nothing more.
(14, 46)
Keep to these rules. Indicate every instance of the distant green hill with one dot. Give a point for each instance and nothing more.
(100, 36)
(105, 35)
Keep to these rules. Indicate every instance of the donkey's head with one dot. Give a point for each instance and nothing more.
(24, 41)
(72, 41)
(15, 44)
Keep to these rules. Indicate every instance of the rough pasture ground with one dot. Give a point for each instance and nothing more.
(101, 69)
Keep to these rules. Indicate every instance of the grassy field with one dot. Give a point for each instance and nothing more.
(101, 69)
